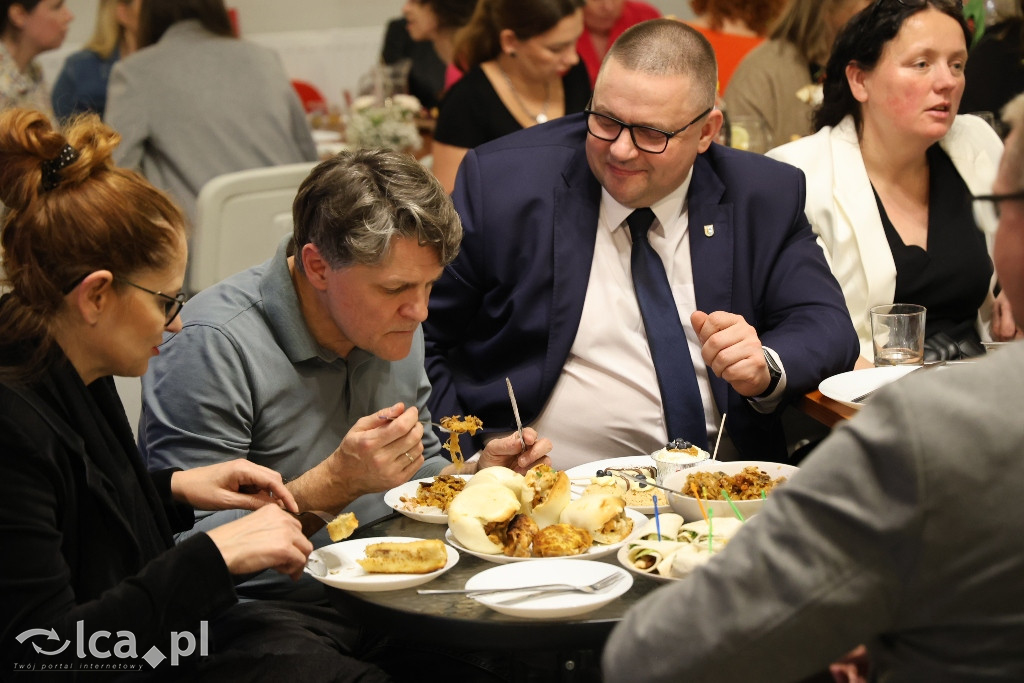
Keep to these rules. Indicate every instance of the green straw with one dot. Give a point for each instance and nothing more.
(763, 495)
(711, 531)
(736, 510)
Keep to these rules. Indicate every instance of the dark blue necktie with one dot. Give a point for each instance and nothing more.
(684, 411)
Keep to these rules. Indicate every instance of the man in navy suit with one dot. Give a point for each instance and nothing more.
(543, 292)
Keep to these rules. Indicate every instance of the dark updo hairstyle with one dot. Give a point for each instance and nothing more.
(862, 41)
(480, 40)
(156, 16)
(97, 217)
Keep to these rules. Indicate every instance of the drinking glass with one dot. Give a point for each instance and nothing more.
(897, 331)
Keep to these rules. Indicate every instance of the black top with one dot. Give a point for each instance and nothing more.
(995, 70)
(472, 113)
(426, 77)
(950, 279)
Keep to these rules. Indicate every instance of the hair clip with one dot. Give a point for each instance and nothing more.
(52, 167)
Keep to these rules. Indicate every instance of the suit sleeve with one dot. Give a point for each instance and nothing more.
(126, 113)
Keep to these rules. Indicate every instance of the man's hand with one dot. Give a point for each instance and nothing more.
(732, 350)
(508, 452)
(267, 539)
(380, 452)
(236, 484)
(1004, 326)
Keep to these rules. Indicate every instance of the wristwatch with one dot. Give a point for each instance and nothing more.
(774, 373)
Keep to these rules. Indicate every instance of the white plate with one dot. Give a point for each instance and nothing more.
(595, 551)
(554, 570)
(393, 499)
(352, 577)
(623, 557)
(849, 385)
(588, 470)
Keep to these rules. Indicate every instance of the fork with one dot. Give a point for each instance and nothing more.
(547, 587)
(312, 520)
(596, 587)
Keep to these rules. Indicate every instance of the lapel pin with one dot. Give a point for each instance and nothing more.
(709, 230)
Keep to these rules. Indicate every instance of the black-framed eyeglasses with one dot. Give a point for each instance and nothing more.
(172, 304)
(997, 198)
(645, 138)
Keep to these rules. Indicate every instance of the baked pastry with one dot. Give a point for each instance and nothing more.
(479, 517)
(503, 476)
(603, 516)
(561, 540)
(342, 526)
(409, 557)
(545, 494)
(520, 535)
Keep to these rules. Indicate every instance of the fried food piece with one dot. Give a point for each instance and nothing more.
(411, 557)
(519, 536)
(342, 526)
(604, 517)
(456, 426)
(437, 493)
(560, 540)
(545, 494)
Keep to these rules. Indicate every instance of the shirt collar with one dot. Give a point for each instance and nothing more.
(667, 209)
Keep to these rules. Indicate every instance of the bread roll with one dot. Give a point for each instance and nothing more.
(603, 516)
(409, 557)
(479, 517)
(502, 476)
(545, 494)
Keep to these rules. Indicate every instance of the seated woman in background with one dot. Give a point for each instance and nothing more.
(95, 258)
(433, 23)
(82, 83)
(780, 79)
(195, 102)
(995, 71)
(522, 70)
(27, 29)
(734, 28)
(603, 22)
(893, 209)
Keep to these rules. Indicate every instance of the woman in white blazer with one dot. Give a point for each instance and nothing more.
(893, 210)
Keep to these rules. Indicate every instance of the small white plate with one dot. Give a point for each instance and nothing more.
(352, 577)
(849, 385)
(556, 570)
(588, 470)
(623, 557)
(393, 499)
(595, 551)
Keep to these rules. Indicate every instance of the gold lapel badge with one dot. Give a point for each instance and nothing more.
(709, 230)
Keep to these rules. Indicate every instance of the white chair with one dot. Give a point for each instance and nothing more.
(240, 219)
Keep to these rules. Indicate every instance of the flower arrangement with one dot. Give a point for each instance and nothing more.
(391, 122)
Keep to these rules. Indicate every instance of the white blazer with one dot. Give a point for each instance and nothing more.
(842, 210)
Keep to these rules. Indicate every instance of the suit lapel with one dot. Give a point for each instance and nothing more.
(574, 229)
(711, 255)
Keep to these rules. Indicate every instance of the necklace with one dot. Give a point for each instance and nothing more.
(542, 117)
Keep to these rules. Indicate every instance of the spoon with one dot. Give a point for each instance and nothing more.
(637, 478)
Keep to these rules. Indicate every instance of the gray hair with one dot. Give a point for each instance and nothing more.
(1013, 154)
(666, 47)
(353, 205)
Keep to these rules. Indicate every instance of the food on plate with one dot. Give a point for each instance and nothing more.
(480, 515)
(677, 558)
(408, 557)
(603, 516)
(499, 475)
(519, 537)
(456, 426)
(744, 485)
(561, 540)
(545, 494)
(633, 492)
(670, 524)
(342, 526)
(434, 495)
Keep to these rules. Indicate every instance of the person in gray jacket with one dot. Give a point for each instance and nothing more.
(195, 102)
(902, 532)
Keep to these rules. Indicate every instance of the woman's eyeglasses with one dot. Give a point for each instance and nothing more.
(172, 304)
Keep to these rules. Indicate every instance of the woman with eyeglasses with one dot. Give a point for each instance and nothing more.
(521, 70)
(94, 258)
(891, 173)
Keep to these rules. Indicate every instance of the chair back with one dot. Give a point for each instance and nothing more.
(240, 219)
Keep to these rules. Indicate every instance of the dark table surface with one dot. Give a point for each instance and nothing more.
(443, 619)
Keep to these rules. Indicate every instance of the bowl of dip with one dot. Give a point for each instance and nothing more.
(677, 456)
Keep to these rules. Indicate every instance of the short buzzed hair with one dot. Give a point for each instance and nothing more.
(1013, 154)
(666, 47)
